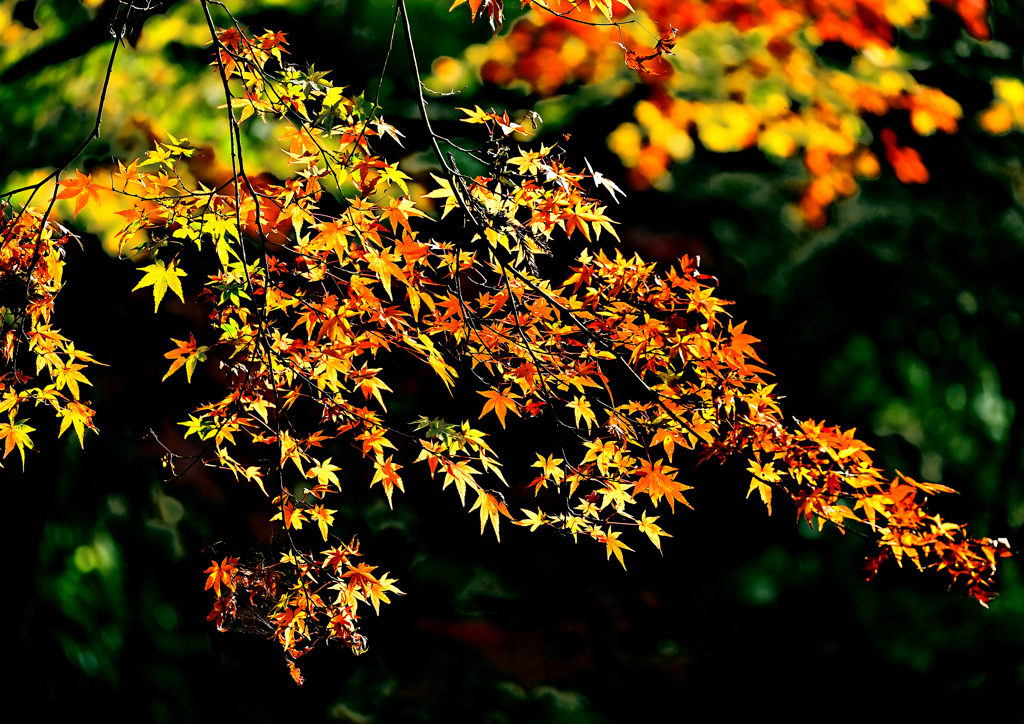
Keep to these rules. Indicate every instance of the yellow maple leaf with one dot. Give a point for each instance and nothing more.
(161, 277)
(653, 531)
(78, 415)
(490, 506)
(324, 517)
(15, 434)
(550, 467)
(765, 491)
(614, 545)
(583, 410)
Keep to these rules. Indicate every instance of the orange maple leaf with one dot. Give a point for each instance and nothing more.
(222, 572)
(494, 8)
(657, 480)
(500, 403)
(81, 189)
(387, 475)
(187, 354)
(741, 341)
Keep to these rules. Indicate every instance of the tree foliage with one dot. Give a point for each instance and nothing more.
(325, 287)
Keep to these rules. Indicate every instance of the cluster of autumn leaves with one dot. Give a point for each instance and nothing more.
(624, 364)
(31, 277)
(742, 74)
(254, 591)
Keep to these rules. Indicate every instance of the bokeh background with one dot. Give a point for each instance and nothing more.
(901, 317)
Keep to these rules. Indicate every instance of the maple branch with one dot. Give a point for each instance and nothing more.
(448, 172)
(567, 16)
(55, 174)
(657, 396)
(93, 135)
(387, 56)
(238, 167)
(529, 347)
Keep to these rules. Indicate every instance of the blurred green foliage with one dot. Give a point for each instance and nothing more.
(903, 318)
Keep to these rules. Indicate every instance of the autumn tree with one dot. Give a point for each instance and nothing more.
(327, 278)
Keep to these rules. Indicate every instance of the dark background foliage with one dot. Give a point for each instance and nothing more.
(901, 318)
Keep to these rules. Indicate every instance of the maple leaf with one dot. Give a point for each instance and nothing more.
(930, 488)
(370, 384)
(398, 213)
(667, 41)
(222, 608)
(386, 473)
(600, 181)
(765, 491)
(161, 277)
(614, 545)
(534, 520)
(69, 375)
(222, 572)
(383, 264)
(581, 407)
(159, 155)
(15, 435)
(874, 504)
(461, 473)
(658, 480)
(81, 189)
(763, 475)
(478, 114)
(981, 595)
(437, 427)
(291, 515)
(324, 517)
(324, 473)
(187, 354)
(669, 439)
(77, 415)
(490, 507)
(290, 450)
(655, 533)
(604, 454)
(391, 175)
(494, 8)
(360, 575)
(336, 557)
(741, 341)
(387, 128)
(374, 439)
(377, 591)
(443, 192)
(616, 494)
(551, 467)
(500, 403)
